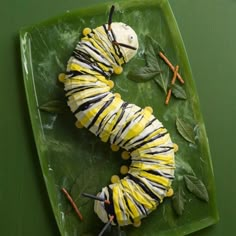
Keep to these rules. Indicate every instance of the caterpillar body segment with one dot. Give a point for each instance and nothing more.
(99, 54)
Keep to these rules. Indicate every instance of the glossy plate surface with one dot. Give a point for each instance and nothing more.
(77, 160)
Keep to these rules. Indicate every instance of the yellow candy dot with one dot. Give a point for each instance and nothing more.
(125, 155)
(124, 169)
(137, 223)
(115, 148)
(117, 95)
(61, 77)
(110, 83)
(86, 31)
(118, 70)
(176, 147)
(149, 109)
(115, 179)
(170, 192)
(78, 124)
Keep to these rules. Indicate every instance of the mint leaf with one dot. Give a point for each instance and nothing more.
(178, 92)
(185, 130)
(152, 48)
(54, 106)
(152, 59)
(142, 74)
(154, 68)
(197, 187)
(178, 201)
(162, 82)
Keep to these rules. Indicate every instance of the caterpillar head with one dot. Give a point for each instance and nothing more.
(123, 36)
(99, 206)
(126, 38)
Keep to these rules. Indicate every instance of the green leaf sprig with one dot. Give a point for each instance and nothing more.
(154, 68)
(195, 186)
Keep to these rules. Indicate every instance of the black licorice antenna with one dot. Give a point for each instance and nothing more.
(109, 29)
(110, 16)
(106, 226)
(96, 198)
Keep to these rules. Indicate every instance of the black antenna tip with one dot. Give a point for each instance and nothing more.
(110, 16)
(112, 8)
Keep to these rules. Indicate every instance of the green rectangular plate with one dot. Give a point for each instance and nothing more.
(77, 160)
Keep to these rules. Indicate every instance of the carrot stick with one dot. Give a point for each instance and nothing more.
(171, 66)
(72, 203)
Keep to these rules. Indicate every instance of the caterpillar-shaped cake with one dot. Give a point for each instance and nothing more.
(98, 55)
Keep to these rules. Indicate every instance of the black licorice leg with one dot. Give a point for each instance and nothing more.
(125, 45)
(106, 226)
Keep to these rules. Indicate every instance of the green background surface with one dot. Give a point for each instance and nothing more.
(209, 33)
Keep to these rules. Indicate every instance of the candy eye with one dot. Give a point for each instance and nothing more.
(130, 38)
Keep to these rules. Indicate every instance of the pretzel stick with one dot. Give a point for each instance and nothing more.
(171, 66)
(172, 83)
(72, 203)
